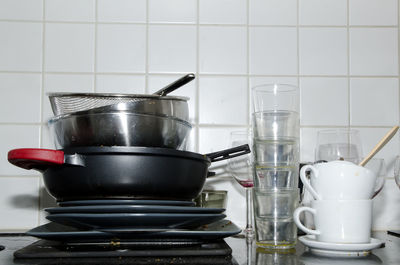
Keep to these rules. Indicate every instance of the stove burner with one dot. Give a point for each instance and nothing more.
(211, 252)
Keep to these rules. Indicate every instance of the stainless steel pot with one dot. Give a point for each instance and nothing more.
(118, 128)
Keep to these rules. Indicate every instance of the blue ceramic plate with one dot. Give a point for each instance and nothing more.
(135, 220)
(133, 209)
(53, 231)
(125, 202)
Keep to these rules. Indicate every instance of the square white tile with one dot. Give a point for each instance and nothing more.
(172, 11)
(21, 99)
(373, 12)
(223, 11)
(328, 12)
(374, 101)
(70, 10)
(17, 136)
(223, 50)
(324, 101)
(323, 51)
(69, 47)
(19, 203)
(156, 82)
(121, 10)
(217, 105)
(371, 136)
(21, 9)
(172, 48)
(273, 51)
(21, 46)
(373, 51)
(121, 48)
(124, 84)
(385, 208)
(273, 12)
(67, 83)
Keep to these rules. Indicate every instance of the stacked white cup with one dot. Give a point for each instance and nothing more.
(342, 205)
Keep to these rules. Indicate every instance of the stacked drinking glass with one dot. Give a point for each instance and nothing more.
(276, 131)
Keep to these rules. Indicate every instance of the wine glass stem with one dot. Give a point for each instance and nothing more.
(249, 217)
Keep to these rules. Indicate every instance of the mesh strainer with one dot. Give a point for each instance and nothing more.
(64, 103)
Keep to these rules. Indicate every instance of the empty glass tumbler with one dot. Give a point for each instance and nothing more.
(276, 132)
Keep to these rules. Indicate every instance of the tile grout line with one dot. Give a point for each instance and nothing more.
(146, 70)
(298, 48)
(197, 84)
(96, 18)
(398, 65)
(348, 64)
(248, 88)
(42, 95)
(191, 24)
(200, 74)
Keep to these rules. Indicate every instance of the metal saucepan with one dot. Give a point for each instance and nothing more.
(157, 103)
(121, 172)
(118, 128)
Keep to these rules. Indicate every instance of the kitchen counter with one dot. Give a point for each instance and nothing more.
(388, 255)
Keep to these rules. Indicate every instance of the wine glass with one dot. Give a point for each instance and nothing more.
(339, 144)
(241, 169)
(397, 170)
(378, 166)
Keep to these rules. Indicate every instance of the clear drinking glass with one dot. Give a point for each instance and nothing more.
(339, 144)
(241, 169)
(273, 214)
(276, 131)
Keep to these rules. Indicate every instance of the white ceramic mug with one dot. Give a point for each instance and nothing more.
(339, 221)
(339, 180)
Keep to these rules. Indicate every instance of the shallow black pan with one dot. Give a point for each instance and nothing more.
(121, 172)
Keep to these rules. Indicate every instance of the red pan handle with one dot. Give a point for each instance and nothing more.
(35, 158)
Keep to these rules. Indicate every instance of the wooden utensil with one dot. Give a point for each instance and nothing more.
(379, 145)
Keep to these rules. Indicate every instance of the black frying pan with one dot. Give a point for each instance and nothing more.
(121, 172)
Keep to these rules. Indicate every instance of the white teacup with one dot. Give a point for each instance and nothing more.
(339, 221)
(339, 180)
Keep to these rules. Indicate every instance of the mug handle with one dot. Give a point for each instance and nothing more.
(296, 217)
(306, 181)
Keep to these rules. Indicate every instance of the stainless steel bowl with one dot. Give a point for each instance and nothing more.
(119, 128)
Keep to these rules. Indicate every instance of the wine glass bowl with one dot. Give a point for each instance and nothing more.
(397, 170)
(241, 170)
(378, 166)
(339, 144)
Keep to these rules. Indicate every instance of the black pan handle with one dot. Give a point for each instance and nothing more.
(175, 85)
(229, 153)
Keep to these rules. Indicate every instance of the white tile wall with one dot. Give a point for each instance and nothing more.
(20, 46)
(343, 55)
(121, 11)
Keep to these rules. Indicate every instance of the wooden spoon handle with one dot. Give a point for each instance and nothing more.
(379, 146)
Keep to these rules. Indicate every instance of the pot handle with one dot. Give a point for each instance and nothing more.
(35, 158)
(229, 153)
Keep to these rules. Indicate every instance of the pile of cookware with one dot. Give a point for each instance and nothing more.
(120, 163)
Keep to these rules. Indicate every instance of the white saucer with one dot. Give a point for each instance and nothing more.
(339, 249)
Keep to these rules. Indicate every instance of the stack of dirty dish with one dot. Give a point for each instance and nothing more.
(276, 134)
(99, 221)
